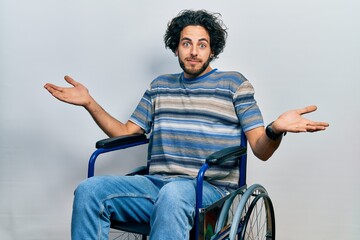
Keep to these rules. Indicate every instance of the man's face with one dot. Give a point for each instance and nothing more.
(194, 52)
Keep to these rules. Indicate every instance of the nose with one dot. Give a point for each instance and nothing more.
(194, 51)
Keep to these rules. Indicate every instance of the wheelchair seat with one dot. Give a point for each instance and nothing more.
(246, 213)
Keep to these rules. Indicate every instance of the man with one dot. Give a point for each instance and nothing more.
(188, 116)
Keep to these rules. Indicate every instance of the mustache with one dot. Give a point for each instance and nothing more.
(192, 59)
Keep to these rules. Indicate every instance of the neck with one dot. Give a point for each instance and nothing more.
(190, 76)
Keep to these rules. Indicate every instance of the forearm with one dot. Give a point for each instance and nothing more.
(262, 146)
(111, 126)
(264, 143)
(265, 147)
(79, 95)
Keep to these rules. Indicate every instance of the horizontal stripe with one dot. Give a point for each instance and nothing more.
(191, 118)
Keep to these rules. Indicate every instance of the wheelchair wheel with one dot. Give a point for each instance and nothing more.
(120, 235)
(254, 217)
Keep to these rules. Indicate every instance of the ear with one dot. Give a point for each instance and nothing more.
(176, 52)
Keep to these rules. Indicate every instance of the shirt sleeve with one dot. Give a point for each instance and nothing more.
(143, 115)
(246, 107)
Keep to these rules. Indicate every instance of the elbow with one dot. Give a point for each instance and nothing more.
(263, 156)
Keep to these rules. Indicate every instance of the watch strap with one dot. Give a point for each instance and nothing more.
(270, 133)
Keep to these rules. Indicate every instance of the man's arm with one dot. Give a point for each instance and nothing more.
(292, 121)
(79, 95)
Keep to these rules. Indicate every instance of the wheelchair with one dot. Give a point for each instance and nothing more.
(245, 214)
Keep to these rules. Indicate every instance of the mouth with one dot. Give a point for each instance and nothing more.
(192, 60)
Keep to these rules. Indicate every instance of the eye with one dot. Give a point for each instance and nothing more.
(186, 44)
(202, 45)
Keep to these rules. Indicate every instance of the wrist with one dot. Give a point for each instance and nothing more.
(90, 104)
(272, 133)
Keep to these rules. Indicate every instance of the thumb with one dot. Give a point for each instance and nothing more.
(70, 80)
(307, 109)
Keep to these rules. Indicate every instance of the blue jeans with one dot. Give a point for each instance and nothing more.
(167, 203)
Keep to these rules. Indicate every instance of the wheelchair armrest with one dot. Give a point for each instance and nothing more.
(113, 144)
(120, 141)
(225, 155)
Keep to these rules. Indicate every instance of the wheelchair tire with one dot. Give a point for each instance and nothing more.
(254, 217)
(122, 235)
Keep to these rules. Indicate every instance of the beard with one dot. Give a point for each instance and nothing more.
(194, 72)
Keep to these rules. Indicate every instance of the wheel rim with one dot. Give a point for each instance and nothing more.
(258, 222)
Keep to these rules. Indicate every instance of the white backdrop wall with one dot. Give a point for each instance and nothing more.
(295, 53)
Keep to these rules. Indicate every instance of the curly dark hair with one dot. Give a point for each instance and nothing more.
(210, 21)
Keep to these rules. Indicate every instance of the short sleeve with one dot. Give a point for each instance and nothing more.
(246, 107)
(143, 115)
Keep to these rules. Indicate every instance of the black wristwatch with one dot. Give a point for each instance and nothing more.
(270, 133)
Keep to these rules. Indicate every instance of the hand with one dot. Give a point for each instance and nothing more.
(77, 95)
(292, 121)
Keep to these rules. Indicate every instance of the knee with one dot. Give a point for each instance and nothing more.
(86, 190)
(83, 187)
(175, 204)
(177, 195)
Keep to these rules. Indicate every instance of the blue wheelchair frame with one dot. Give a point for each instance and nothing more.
(200, 228)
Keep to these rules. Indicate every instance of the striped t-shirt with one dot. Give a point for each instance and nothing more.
(191, 118)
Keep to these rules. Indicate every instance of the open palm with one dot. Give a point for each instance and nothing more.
(293, 121)
(78, 94)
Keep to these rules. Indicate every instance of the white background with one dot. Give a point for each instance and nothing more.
(295, 53)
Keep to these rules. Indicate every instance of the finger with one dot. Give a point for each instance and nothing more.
(70, 80)
(315, 128)
(307, 109)
(321, 124)
(52, 88)
(56, 94)
(48, 85)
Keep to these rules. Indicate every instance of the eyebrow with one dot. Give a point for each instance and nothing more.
(188, 39)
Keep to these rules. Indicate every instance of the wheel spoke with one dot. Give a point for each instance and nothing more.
(256, 222)
(254, 218)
